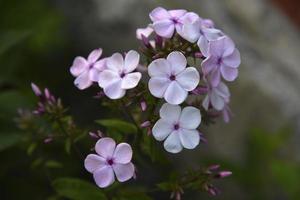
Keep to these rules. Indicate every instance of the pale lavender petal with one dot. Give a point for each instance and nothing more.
(93, 162)
(189, 138)
(188, 79)
(222, 90)
(162, 129)
(159, 67)
(172, 144)
(208, 23)
(177, 13)
(83, 81)
(123, 153)
(217, 101)
(229, 73)
(177, 61)
(105, 147)
(124, 172)
(94, 74)
(203, 45)
(216, 47)
(164, 28)
(115, 62)
(229, 46)
(170, 113)
(132, 59)
(159, 13)
(104, 176)
(233, 60)
(107, 77)
(158, 86)
(215, 77)
(146, 32)
(79, 66)
(100, 65)
(209, 64)
(205, 102)
(212, 33)
(190, 17)
(131, 80)
(175, 94)
(94, 55)
(190, 118)
(191, 31)
(114, 90)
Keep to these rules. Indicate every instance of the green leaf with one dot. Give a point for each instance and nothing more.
(165, 186)
(53, 164)
(76, 189)
(8, 140)
(31, 148)
(68, 145)
(118, 125)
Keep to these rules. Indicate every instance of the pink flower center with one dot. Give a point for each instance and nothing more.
(172, 77)
(220, 60)
(122, 75)
(175, 20)
(110, 161)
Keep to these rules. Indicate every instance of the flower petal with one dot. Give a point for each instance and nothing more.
(124, 172)
(191, 31)
(205, 102)
(233, 60)
(177, 61)
(190, 118)
(115, 62)
(203, 45)
(159, 67)
(123, 153)
(188, 79)
(83, 81)
(93, 162)
(164, 28)
(175, 94)
(215, 78)
(222, 90)
(79, 66)
(107, 77)
(189, 138)
(178, 13)
(159, 13)
(131, 80)
(209, 64)
(146, 32)
(170, 113)
(172, 144)
(94, 74)
(162, 129)
(94, 55)
(158, 86)
(105, 147)
(229, 46)
(114, 90)
(229, 73)
(217, 101)
(100, 64)
(104, 176)
(132, 59)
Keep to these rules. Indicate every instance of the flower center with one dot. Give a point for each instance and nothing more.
(122, 75)
(110, 161)
(91, 65)
(175, 20)
(172, 77)
(176, 127)
(220, 60)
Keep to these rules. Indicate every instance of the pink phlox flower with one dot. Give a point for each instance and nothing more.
(223, 59)
(177, 127)
(111, 160)
(165, 22)
(217, 97)
(200, 32)
(87, 70)
(171, 79)
(119, 74)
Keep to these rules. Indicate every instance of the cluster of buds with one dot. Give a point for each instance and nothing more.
(47, 104)
(187, 63)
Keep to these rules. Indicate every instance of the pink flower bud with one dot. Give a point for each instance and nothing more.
(143, 106)
(47, 93)
(224, 174)
(145, 124)
(48, 140)
(36, 90)
(213, 167)
(198, 55)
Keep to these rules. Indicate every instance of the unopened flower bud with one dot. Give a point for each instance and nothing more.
(198, 55)
(223, 174)
(47, 93)
(143, 106)
(213, 167)
(145, 124)
(48, 140)
(36, 90)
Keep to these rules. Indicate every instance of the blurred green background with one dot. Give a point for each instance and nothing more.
(39, 39)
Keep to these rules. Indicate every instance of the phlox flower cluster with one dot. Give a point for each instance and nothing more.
(170, 44)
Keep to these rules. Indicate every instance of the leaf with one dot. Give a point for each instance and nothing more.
(77, 189)
(165, 186)
(118, 125)
(133, 193)
(31, 148)
(53, 164)
(68, 144)
(9, 139)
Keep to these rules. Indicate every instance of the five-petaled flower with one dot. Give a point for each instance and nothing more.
(119, 75)
(177, 127)
(217, 97)
(165, 22)
(87, 70)
(223, 58)
(109, 161)
(198, 30)
(171, 79)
